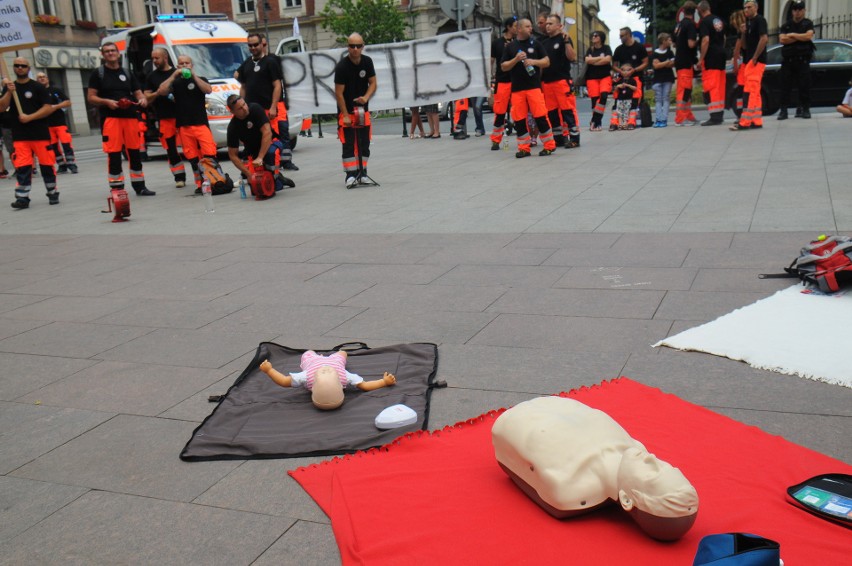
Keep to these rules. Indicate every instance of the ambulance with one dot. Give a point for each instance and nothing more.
(217, 47)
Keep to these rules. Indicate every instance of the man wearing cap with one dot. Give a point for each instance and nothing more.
(354, 86)
(30, 133)
(798, 47)
(754, 40)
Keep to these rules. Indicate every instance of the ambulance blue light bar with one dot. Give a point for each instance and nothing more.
(190, 17)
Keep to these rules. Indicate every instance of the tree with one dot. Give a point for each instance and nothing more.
(378, 21)
(667, 12)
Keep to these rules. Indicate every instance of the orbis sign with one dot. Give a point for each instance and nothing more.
(67, 57)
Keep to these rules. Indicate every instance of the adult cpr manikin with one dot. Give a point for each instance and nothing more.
(571, 459)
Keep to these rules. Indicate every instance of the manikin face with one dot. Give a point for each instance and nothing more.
(654, 486)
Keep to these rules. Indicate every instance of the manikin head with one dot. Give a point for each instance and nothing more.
(327, 393)
(656, 494)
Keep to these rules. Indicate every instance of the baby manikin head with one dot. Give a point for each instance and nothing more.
(327, 392)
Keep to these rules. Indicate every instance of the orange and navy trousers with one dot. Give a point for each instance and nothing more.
(356, 144)
(531, 102)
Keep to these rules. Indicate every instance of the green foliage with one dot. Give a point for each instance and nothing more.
(378, 21)
(667, 12)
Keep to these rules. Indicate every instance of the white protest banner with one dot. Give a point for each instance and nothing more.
(16, 30)
(411, 73)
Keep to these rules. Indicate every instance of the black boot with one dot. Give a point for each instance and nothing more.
(799, 112)
(806, 113)
(782, 114)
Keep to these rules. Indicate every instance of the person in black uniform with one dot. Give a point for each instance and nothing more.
(798, 47)
(754, 39)
(250, 127)
(598, 77)
(113, 90)
(30, 133)
(711, 31)
(502, 81)
(354, 85)
(632, 53)
(556, 84)
(164, 108)
(60, 138)
(686, 55)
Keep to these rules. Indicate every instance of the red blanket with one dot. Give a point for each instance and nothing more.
(441, 498)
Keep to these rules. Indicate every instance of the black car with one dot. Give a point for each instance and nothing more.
(831, 69)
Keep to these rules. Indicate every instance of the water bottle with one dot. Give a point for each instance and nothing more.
(207, 195)
(505, 144)
(242, 188)
(530, 69)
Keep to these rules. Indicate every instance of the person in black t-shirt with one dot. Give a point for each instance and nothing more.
(281, 123)
(113, 90)
(556, 84)
(754, 58)
(634, 54)
(796, 37)
(502, 81)
(164, 108)
(523, 59)
(711, 30)
(250, 127)
(664, 61)
(30, 132)
(60, 139)
(354, 86)
(199, 147)
(598, 77)
(686, 55)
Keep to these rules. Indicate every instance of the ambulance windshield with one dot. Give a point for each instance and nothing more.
(215, 60)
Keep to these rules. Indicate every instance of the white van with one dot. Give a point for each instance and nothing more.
(217, 47)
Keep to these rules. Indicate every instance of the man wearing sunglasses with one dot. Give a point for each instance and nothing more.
(354, 85)
(30, 133)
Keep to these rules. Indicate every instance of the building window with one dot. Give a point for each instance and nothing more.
(83, 10)
(293, 3)
(45, 8)
(245, 6)
(119, 11)
(179, 7)
(152, 9)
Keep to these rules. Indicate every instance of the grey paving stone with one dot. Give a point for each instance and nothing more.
(263, 486)
(636, 223)
(68, 339)
(304, 544)
(147, 270)
(112, 528)
(78, 285)
(297, 254)
(739, 280)
(602, 303)
(373, 273)
(659, 278)
(190, 348)
(465, 240)
(10, 327)
(807, 430)
(68, 309)
(503, 276)
(198, 407)
(750, 257)
(452, 298)
(130, 454)
(395, 255)
(23, 503)
(280, 318)
(10, 281)
(320, 292)
(413, 326)
(572, 334)
(23, 373)
(358, 240)
(490, 256)
(28, 431)
(641, 242)
(619, 258)
(704, 305)
(170, 314)
(269, 271)
(562, 241)
(133, 389)
(454, 405)
(525, 370)
(183, 289)
(10, 302)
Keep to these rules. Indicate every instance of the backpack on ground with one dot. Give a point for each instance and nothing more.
(825, 263)
(220, 182)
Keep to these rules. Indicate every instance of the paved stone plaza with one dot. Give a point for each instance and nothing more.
(534, 276)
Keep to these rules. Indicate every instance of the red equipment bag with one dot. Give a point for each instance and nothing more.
(261, 182)
(825, 263)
